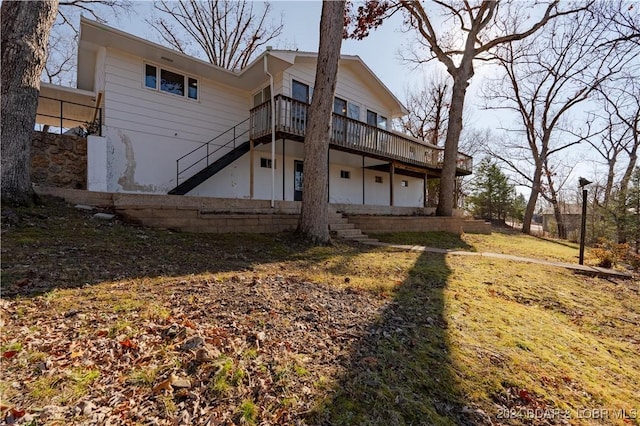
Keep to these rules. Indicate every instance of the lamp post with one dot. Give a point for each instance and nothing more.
(582, 182)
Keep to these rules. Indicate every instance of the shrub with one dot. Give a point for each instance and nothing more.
(608, 253)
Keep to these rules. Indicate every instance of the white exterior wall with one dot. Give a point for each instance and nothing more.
(97, 163)
(349, 87)
(148, 130)
(234, 180)
(376, 194)
(409, 196)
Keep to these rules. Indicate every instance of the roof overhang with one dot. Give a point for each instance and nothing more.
(66, 106)
(94, 35)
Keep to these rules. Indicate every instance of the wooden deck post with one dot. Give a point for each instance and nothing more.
(251, 150)
(426, 190)
(391, 174)
(363, 180)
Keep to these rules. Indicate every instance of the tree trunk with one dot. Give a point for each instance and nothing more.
(447, 194)
(533, 199)
(621, 226)
(314, 221)
(25, 33)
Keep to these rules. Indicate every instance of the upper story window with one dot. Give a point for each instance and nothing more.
(348, 109)
(161, 79)
(374, 119)
(353, 111)
(339, 106)
(300, 91)
(262, 96)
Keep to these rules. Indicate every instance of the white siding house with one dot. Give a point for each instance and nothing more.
(174, 124)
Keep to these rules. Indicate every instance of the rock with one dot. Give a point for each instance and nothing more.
(71, 313)
(84, 207)
(207, 353)
(173, 331)
(180, 382)
(193, 343)
(86, 408)
(104, 216)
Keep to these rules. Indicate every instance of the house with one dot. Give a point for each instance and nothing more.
(572, 217)
(168, 123)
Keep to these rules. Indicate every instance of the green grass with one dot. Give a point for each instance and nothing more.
(516, 244)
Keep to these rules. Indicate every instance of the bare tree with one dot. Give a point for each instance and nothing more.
(476, 29)
(63, 39)
(224, 32)
(25, 32)
(314, 221)
(618, 141)
(61, 61)
(428, 111)
(544, 80)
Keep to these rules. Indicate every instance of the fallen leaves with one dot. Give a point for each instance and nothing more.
(267, 339)
(9, 354)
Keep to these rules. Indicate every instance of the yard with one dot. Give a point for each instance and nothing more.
(104, 322)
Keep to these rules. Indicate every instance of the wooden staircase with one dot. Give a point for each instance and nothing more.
(340, 227)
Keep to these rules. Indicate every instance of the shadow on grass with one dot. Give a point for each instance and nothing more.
(400, 372)
(53, 246)
(437, 239)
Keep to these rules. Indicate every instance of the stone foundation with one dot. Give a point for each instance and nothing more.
(59, 160)
(384, 224)
(222, 215)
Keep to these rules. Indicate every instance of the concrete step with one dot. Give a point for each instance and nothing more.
(344, 233)
(360, 237)
(339, 226)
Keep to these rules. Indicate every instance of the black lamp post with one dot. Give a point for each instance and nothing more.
(582, 182)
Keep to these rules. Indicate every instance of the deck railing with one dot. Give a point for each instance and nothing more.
(62, 115)
(291, 118)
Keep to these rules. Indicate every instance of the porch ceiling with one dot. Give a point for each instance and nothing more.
(74, 106)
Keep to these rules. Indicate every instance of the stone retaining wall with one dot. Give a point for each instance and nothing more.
(59, 160)
(385, 224)
(221, 215)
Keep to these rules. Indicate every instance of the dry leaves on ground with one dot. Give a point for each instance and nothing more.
(194, 351)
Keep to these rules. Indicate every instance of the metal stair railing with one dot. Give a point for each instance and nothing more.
(233, 132)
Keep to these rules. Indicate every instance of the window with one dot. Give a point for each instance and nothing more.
(339, 106)
(265, 163)
(378, 179)
(150, 75)
(345, 174)
(300, 91)
(382, 122)
(262, 96)
(353, 111)
(193, 88)
(404, 183)
(170, 82)
(373, 119)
